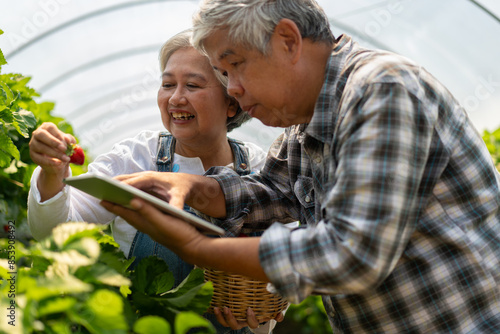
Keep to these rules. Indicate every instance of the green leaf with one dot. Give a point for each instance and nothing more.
(147, 305)
(19, 82)
(185, 321)
(102, 313)
(60, 326)
(71, 257)
(6, 117)
(125, 290)
(2, 59)
(7, 93)
(45, 287)
(496, 134)
(43, 114)
(151, 324)
(192, 294)
(196, 299)
(56, 305)
(113, 257)
(105, 308)
(86, 246)
(100, 273)
(147, 272)
(25, 120)
(195, 280)
(7, 150)
(4, 269)
(106, 239)
(66, 233)
(27, 175)
(4, 159)
(161, 283)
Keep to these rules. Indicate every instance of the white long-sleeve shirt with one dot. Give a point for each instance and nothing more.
(131, 155)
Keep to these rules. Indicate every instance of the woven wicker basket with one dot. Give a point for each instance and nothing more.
(239, 292)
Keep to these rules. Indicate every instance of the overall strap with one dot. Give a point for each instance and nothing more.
(165, 155)
(166, 149)
(241, 157)
(142, 245)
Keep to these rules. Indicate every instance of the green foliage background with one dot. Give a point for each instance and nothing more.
(20, 114)
(78, 281)
(492, 140)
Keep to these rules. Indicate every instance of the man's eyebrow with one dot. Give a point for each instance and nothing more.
(223, 55)
(226, 53)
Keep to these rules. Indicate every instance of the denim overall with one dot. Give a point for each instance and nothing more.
(143, 246)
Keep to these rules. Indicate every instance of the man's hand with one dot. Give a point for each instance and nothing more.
(199, 192)
(237, 255)
(181, 237)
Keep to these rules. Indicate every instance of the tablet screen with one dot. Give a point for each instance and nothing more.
(109, 189)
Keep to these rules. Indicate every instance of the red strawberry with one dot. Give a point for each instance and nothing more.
(76, 154)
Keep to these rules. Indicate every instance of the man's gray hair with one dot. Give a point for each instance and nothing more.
(183, 40)
(251, 23)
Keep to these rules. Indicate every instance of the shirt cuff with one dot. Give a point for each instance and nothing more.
(232, 227)
(275, 253)
(35, 193)
(237, 202)
(44, 216)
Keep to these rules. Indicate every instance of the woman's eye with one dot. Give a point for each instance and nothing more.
(167, 85)
(192, 86)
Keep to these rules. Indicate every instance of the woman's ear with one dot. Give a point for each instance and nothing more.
(232, 108)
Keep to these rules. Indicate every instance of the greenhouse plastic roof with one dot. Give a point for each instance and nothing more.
(97, 60)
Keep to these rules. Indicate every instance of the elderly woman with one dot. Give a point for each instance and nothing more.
(196, 111)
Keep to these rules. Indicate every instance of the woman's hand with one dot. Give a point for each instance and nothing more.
(48, 147)
(226, 318)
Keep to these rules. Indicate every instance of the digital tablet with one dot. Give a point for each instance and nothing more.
(111, 190)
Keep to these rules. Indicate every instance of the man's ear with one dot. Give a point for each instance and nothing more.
(288, 36)
(232, 108)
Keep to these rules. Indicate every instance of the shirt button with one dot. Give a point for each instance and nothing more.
(243, 166)
(300, 137)
(308, 199)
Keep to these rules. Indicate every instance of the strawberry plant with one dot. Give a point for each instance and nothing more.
(20, 114)
(77, 281)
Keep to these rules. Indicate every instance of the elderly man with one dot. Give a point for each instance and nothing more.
(396, 192)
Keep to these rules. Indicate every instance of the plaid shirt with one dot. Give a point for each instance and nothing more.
(398, 196)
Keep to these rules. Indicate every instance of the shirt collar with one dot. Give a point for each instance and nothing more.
(324, 118)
